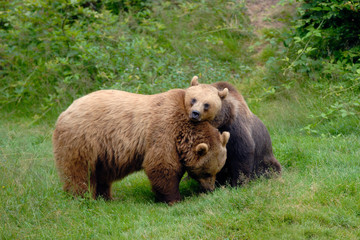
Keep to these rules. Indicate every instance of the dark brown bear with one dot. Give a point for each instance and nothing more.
(249, 150)
(106, 135)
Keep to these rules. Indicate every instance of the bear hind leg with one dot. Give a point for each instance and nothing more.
(76, 186)
(102, 178)
(270, 166)
(102, 189)
(275, 165)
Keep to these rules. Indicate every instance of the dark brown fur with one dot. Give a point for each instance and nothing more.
(249, 150)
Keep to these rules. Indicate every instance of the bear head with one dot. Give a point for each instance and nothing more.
(209, 160)
(203, 101)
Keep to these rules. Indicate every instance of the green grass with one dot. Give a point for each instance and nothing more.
(317, 196)
(153, 50)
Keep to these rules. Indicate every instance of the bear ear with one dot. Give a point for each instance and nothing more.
(201, 149)
(194, 81)
(223, 93)
(225, 138)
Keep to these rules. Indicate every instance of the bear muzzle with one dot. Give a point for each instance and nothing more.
(207, 185)
(195, 116)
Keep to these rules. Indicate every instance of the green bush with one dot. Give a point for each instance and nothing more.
(55, 51)
(332, 26)
(322, 50)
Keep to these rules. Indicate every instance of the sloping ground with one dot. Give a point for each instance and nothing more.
(268, 16)
(263, 13)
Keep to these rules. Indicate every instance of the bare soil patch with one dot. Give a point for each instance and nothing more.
(263, 13)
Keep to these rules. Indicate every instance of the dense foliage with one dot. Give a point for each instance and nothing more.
(55, 51)
(337, 28)
(322, 52)
(52, 52)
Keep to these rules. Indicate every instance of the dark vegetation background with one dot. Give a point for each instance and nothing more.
(296, 62)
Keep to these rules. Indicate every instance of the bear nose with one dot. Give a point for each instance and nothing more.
(195, 115)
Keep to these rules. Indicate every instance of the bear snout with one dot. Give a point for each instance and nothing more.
(195, 116)
(207, 184)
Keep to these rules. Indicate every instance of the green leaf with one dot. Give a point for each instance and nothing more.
(317, 9)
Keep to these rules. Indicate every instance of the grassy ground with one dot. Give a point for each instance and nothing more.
(317, 196)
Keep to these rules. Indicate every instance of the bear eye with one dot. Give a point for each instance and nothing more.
(193, 101)
(206, 106)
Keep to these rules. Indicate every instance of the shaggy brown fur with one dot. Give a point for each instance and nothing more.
(249, 151)
(108, 134)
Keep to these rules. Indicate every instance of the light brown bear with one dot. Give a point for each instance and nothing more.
(201, 102)
(109, 134)
(249, 150)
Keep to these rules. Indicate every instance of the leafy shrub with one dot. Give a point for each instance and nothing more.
(318, 52)
(324, 31)
(54, 51)
(333, 27)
